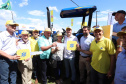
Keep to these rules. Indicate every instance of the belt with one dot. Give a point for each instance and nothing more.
(85, 56)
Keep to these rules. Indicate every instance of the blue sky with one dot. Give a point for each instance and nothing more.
(33, 12)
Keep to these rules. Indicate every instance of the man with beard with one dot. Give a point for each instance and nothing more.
(25, 66)
(8, 59)
(36, 58)
(84, 60)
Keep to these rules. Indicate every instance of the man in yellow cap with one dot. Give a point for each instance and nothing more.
(45, 44)
(8, 59)
(35, 59)
(120, 72)
(69, 55)
(103, 58)
(25, 66)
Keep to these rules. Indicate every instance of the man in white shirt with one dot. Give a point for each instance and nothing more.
(8, 59)
(25, 66)
(69, 56)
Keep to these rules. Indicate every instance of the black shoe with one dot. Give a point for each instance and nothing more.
(72, 82)
(64, 79)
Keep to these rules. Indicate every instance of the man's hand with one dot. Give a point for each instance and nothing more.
(120, 40)
(54, 44)
(114, 34)
(109, 74)
(78, 47)
(27, 59)
(88, 59)
(15, 57)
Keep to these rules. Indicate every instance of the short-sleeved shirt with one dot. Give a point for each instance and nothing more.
(34, 44)
(43, 41)
(85, 43)
(101, 52)
(120, 74)
(68, 54)
(8, 43)
(59, 54)
(117, 28)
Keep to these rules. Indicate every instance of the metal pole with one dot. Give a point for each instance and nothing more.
(96, 17)
(12, 15)
(75, 3)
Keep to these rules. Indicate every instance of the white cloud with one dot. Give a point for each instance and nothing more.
(79, 23)
(4, 16)
(1, 2)
(102, 16)
(24, 3)
(53, 8)
(36, 13)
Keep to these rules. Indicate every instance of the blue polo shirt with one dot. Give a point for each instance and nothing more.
(43, 41)
(120, 74)
(117, 28)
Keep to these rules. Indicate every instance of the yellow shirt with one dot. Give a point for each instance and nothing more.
(34, 44)
(100, 54)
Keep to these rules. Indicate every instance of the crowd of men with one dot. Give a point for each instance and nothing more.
(103, 60)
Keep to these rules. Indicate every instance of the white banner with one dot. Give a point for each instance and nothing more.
(111, 19)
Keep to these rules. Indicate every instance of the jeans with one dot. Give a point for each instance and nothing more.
(35, 62)
(98, 78)
(57, 70)
(72, 66)
(43, 63)
(8, 70)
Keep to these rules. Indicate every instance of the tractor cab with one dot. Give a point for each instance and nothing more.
(79, 12)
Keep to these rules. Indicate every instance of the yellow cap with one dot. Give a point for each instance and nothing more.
(47, 29)
(59, 34)
(24, 32)
(68, 28)
(35, 30)
(121, 33)
(11, 22)
(100, 28)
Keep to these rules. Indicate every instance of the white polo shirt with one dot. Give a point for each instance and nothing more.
(68, 54)
(8, 43)
(23, 45)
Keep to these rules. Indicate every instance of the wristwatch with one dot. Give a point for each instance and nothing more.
(119, 46)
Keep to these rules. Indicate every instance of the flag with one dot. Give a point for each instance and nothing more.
(51, 15)
(71, 22)
(6, 6)
(84, 24)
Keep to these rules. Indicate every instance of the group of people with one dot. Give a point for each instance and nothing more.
(98, 55)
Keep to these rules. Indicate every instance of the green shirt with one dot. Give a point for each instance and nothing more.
(43, 41)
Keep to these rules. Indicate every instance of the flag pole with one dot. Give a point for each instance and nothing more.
(12, 15)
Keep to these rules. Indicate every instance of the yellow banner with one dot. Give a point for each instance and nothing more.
(71, 22)
(108, 29)
(71, 45)
(24, 53)
(51, 15)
